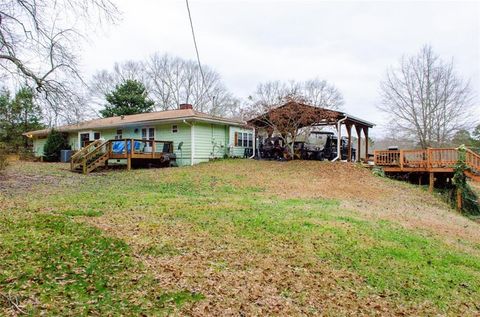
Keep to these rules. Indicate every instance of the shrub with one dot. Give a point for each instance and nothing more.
(469, 198)
(56, 142)
(378, 171)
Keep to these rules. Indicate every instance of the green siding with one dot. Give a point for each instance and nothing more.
(73, 140)
(38, 145)
(211, 140)
(237, 151)
(164, 133)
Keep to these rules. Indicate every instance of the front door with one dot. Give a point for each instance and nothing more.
(148, 133)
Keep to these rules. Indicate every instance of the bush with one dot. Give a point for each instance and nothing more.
(56, 142)
(378, 171)
(470, 203)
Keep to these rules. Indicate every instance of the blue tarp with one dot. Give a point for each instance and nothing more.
(119, 146)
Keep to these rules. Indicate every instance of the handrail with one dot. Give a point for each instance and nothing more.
(84, 157)
(472, 160)
(75, 159)
(97, 149)
(84, 149)
(425, 158)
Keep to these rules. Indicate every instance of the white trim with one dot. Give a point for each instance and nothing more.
(192, 135)
(148, 133)
(80, 140)
(91, 136)
(253, 144)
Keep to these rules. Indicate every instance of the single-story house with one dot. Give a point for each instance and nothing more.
(197, 137)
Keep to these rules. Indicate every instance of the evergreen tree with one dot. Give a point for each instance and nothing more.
(56, 141)
(128, 98)
(18, 115)
(476, 136)
(462, 137)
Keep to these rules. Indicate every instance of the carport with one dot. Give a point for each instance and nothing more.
(310, 116)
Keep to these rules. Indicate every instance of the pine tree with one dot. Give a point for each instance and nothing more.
(18, 115)
(56, 141)
(127, 98)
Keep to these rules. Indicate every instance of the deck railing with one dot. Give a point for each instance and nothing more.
(78, 156)
(432, 158)
(472, 160)
(97, 153)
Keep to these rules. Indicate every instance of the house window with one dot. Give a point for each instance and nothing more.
(174, 128)
(243, 139)
(119, 134)
(96, 135)
(148, 133)
(84, 139)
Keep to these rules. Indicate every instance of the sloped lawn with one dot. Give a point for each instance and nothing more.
(227, 238)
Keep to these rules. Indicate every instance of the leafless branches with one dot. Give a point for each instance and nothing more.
(171, 81)
(287, 118)
(426, 99)
(39, 38)
(315, 92)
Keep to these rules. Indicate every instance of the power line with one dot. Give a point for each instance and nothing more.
(195, 43)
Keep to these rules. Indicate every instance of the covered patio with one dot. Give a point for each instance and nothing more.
(309, 116)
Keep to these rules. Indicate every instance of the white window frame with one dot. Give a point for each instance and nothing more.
(118, 136)
(91, 136)
(174, 128)
(148, 133)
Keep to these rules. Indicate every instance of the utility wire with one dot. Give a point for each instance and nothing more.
(196, 47)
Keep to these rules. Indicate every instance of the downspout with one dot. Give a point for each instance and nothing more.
(254, 143)
(339, 139)
(192, 140)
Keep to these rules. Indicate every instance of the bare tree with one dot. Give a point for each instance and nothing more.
(104, 82)
(173, 81)
(426, 99)
(38, 41)
(287, 118)
(170, 81)
(315, 92)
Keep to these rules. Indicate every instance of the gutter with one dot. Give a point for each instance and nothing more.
(254, 144)
(339, 138)
(192, 140)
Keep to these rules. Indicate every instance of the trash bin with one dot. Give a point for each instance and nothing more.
(65, 156)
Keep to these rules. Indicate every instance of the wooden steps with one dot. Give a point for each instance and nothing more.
(99, 152)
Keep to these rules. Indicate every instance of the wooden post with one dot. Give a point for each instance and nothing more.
(154, 145)
(365, 131)
(431, 182)
(359, 142)
(84, 164)
(349, 133)
(420, 179)
(429, 158)
(129, 154)
(401, 159)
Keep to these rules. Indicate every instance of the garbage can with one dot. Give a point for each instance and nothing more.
(65, 156)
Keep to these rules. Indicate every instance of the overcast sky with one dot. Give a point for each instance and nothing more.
(350, 44)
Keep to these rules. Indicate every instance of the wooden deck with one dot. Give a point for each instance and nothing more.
(98, 153)
(432, 160)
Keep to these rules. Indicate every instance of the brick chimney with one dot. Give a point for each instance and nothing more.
(184, 106)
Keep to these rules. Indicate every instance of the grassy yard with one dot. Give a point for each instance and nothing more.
(231, 237)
